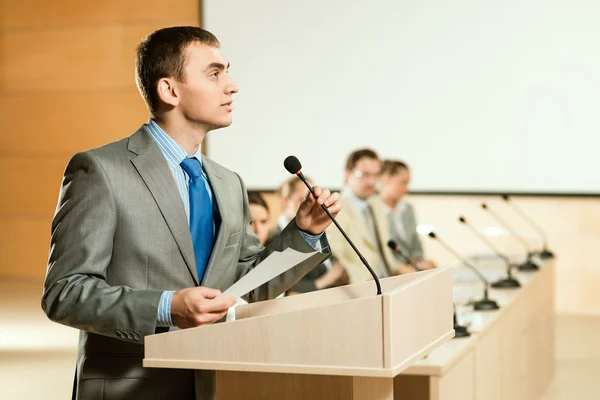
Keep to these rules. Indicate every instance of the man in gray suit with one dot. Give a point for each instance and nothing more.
(395, 178)
(148, 232)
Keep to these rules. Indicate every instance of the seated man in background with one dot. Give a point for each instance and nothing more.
(395, 178)
(328, 274)
(364, 221)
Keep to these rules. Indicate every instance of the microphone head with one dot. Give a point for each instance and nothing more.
(292, 164)
(506, 197)
(392, 245)
(484, 206)
(462, 220)
(432, 235)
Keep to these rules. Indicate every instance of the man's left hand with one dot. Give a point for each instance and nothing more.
(311, 218)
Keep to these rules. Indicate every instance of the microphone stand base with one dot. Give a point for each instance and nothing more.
(461, 331)
(528, 266)
(485, 305)
(506, 283)
(546, 254)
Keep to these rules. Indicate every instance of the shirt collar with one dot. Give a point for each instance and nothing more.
(172, 151)
(358, 203)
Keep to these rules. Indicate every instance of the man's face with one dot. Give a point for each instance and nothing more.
(205, 95)
(396, 186)
(260, 222)
(362, 180)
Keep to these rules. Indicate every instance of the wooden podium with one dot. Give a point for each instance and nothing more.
(339, 343)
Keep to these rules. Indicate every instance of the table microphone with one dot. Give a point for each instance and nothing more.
(528, 264)
(509, 281)
(293, 166)
(484, 304)
(460, 331)
(396, 249)
(545, 253)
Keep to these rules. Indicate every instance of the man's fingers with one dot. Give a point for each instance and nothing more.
(323, 196)
(335, 208)
(317, 191)
(216, 305)
(332, 199)
(209, 293)
(210, 318)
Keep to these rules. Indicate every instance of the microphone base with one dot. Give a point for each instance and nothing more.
(485, 305)
(461, 331)
(546, 254)
(528, 266)
(506, 283)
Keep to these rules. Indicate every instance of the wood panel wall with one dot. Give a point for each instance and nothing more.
(66, 85)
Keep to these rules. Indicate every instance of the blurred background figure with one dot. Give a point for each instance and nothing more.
(260, 216)
(328, 274)
(364, 220)
(395, 178)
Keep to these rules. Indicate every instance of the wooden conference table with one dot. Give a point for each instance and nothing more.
(510, 354)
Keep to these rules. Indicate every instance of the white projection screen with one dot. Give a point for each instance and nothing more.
(476, 96)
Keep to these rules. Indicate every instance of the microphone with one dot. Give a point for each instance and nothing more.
(545, 253)
(396, 249)
(528, 264)
(484, 304)
(459, 330)
(293, 166)
(509, 281)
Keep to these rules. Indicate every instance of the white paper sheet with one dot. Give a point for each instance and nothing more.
(274, 265)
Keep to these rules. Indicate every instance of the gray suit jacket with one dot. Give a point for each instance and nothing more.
(403, 226)
(120, 236)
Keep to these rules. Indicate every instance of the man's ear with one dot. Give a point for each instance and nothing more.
(167, 91)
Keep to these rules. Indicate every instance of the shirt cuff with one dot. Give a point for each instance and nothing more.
(163, 317)
(312, 240)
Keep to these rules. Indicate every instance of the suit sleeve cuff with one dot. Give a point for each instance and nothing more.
(312, 240)
(163, 317)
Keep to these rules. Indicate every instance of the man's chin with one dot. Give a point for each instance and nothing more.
(221, 124)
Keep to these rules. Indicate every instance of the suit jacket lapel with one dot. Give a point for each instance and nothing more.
(154, 170)
(219, 190)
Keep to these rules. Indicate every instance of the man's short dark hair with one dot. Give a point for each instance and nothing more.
(392, 167)
(358, 155)
(162, 55)
(257, 199)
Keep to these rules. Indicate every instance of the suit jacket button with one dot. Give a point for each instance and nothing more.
(129, 335)
(137, 336)
(118, 333)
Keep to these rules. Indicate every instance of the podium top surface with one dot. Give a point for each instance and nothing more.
(346, 330)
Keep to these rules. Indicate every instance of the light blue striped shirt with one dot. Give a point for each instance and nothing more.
(174, 155)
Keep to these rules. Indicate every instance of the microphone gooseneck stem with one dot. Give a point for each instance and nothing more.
(362, 259)
(531, 222)
(490, 245)
(513, 233)
(467, 264)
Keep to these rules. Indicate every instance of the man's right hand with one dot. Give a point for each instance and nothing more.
(197, 306)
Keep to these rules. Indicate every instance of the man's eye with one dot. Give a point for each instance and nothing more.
(214, 74)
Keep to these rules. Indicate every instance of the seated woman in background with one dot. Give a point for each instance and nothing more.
(260, 227)
(395, 178)
(260, 216)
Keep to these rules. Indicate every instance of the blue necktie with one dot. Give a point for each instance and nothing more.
(201, 215)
